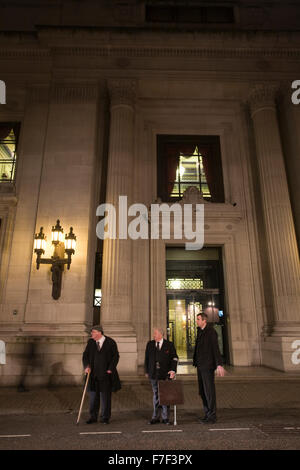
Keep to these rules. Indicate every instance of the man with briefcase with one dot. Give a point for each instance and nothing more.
(160, 364)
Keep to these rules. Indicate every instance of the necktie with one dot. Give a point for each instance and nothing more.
(98, 345)
(157, 346)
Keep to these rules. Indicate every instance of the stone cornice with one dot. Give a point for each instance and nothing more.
(208, 52)
(150, 52)
(7, 52)
(92, 42)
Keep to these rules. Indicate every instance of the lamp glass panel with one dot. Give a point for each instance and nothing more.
(57, 236)
(70, 244)
(39, 244)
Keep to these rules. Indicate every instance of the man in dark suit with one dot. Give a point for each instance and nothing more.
(207, 359)
(100, 358)
(160, 363)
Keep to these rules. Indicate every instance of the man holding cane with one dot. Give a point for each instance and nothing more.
(100, 359)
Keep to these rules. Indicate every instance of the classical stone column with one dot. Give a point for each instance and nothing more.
(116, 308)
(280, 231)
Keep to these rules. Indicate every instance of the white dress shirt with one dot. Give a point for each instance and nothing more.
(101, 341)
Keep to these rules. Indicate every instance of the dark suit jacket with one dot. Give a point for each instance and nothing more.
(207, 354)
(102, 361)
(168, 360)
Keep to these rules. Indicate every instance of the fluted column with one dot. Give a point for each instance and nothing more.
(116, 309)
(280, 232)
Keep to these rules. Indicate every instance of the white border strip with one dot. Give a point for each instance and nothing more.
(230, 429)
(100, 432)
(167, 430)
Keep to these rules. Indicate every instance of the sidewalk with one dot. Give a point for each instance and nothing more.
(254, 387)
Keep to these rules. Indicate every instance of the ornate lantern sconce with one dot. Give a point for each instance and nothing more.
(58, 260)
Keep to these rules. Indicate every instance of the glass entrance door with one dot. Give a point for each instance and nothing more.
(182, 326)
(194, 281)
(182, 311)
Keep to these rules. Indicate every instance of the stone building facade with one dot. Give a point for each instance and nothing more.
(92, 87)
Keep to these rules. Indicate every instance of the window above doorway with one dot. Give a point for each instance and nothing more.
(183, 13)
(9, 134)
(185, 161)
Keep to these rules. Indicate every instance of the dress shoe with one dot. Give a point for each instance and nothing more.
(210, 421)
(165, 421)
(203, 419)
(91, 420)
(154, 421)
(104, 421)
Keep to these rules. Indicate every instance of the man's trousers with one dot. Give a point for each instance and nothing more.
(158, 409)
(207, 391)
(100, 399)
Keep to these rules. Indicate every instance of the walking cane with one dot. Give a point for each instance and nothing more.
(83, 396)
(175, 422)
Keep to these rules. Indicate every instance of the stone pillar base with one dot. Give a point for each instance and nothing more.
(282, 353)
(125, 337)
(42, 361)
(245, 354)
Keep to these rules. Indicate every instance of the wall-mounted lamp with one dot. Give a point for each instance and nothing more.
(58, 259)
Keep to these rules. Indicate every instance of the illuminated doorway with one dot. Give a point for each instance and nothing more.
(194, 280)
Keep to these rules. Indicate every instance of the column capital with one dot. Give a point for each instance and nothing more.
(262, 97)
(122, 91)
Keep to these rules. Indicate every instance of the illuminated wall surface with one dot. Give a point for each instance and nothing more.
(161, 102)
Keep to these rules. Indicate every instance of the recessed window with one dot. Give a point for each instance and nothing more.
(9, 134)
(189, 14)
(185, 161)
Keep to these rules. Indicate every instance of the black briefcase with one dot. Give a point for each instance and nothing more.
(170, 392)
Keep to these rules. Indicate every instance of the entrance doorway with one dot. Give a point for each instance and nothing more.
(194, 282)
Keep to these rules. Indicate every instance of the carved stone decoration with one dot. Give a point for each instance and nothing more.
(38, 94)
(123, 91)
(68, 93)
(261, 97)
(192, 195)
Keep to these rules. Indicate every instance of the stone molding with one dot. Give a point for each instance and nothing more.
(30, 53)
(208, 52)
(77, 93)
(38, 94)
(122, 91)
(150, 51)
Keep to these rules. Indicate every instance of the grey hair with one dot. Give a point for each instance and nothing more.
(159, 329)
(97, 328)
